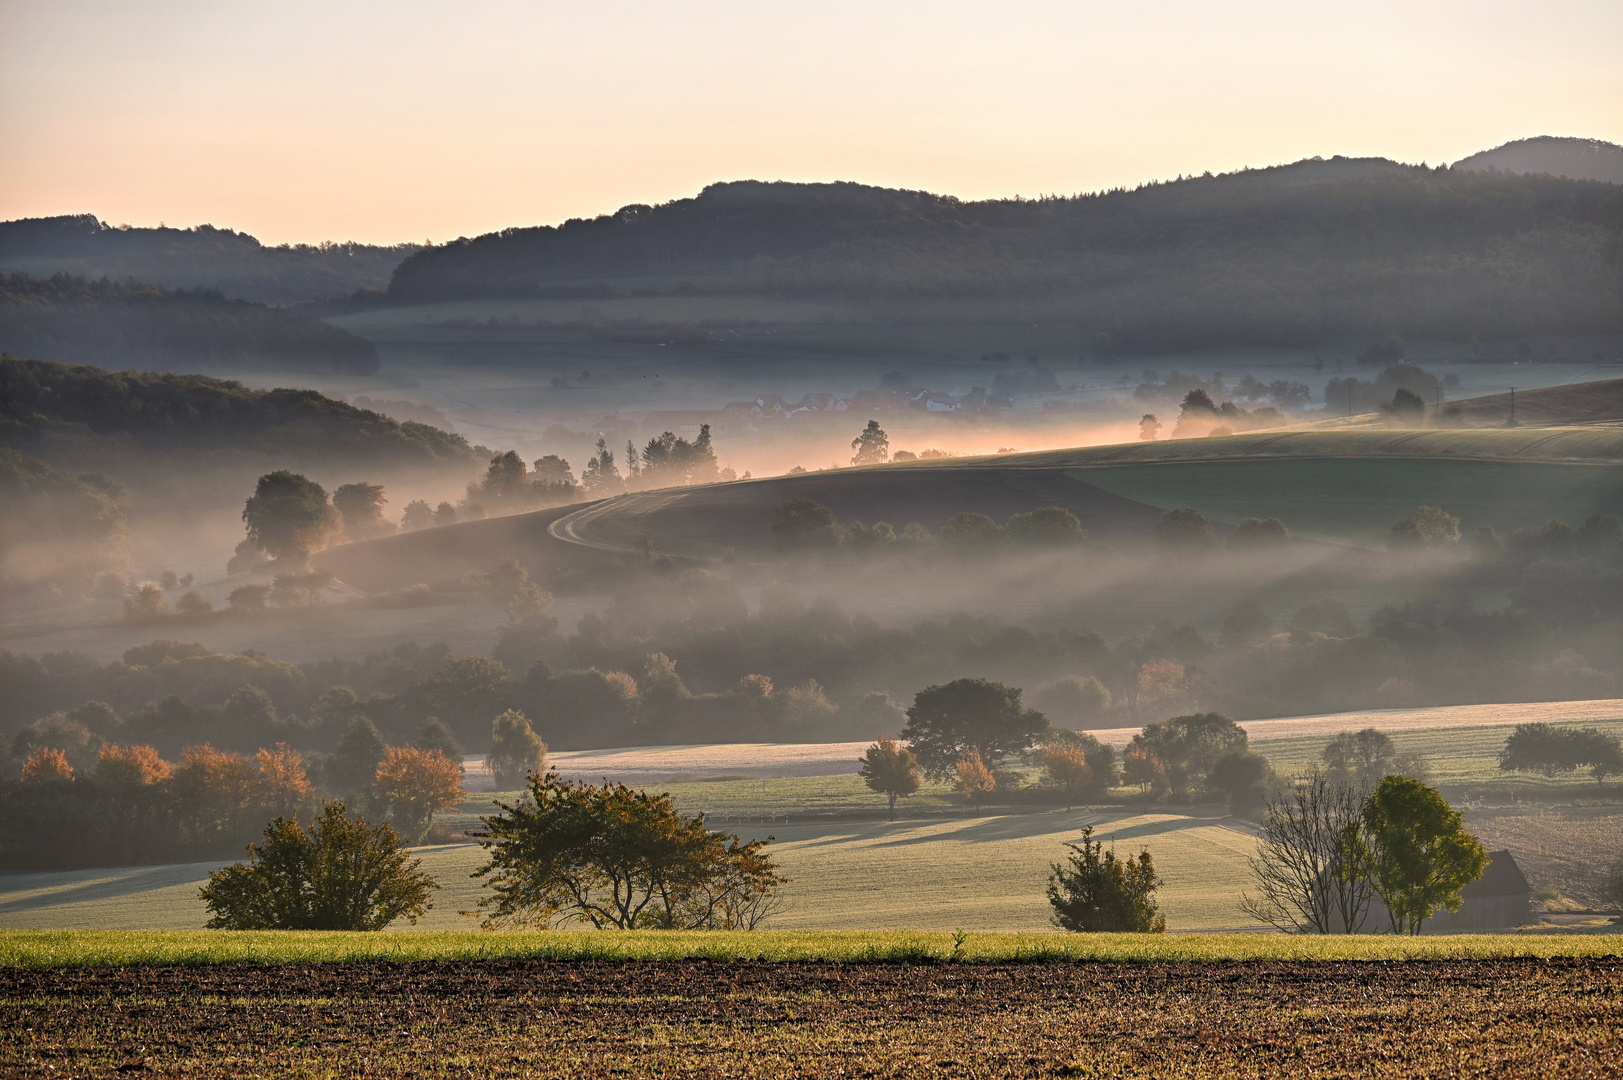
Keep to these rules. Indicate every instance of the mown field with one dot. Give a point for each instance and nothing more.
(702, 1018)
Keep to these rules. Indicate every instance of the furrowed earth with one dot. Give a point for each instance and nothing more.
(701, 1019)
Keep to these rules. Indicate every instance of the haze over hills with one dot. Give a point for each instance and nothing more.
(1576, 159)
(135, 325)
(1286, 255)
(232, 263)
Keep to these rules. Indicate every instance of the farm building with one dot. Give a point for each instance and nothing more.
(1500, 897)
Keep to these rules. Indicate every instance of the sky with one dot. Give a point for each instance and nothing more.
(408, 121)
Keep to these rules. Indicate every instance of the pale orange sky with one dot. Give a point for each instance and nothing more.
(383, 122)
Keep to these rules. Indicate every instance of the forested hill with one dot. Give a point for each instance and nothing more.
(232, 263)
(92, 418)
(1286, 255)
(1579, 159)
(133, 325)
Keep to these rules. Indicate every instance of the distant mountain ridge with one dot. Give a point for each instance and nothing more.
(232, 263)
(1286, 255)
(1575, 159)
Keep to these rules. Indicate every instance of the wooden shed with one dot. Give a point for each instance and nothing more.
(1500, 898)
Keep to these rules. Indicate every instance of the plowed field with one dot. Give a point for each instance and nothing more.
(1509, 1018)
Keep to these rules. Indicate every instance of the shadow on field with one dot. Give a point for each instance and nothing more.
(116, 886)
(997, 829)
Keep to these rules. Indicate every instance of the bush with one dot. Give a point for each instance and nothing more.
(1096, 893)
(341, 874)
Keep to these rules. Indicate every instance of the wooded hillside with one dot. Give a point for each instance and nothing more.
(1285, 255)
(130, 324)
(56, 410)
(232, 263)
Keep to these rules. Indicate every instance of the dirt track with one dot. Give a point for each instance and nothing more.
(1481, 1018)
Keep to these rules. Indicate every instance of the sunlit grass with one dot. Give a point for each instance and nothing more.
(56, 948)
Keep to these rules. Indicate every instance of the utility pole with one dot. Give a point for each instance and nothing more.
(1349, 398)
(1512, 421)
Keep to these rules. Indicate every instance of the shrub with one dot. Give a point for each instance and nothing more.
(1096, 893)
(340, 874)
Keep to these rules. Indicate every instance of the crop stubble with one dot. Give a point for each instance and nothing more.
(1503, 1018)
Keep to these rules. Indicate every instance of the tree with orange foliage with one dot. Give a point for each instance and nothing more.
(216, 792)
(47, 765)
(890, 769)
(132, 765)
(285, 789)
(1067, 766)
(975, 780)
(1144, 769)
(415, 783)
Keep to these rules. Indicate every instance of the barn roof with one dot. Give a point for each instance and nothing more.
(1502, 878)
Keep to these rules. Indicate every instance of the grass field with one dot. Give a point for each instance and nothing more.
(701, 1018)
(1342, 485)
(20, 949)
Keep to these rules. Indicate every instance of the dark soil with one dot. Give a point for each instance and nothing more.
(490, 1019)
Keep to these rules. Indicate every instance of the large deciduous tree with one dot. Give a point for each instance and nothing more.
(340, 874)
(614, 857)
(1309, 870)
(1419, 855)
(1189, 746)
(361, 507)
(414, 783)
(802, 523)
(947, 723)
(872, 446)
(288, 516)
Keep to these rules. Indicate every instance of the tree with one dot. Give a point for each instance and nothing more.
(1189, 746)
(217, 792)
(601, 477)
(1067, 766)
(975, 781)
(193, 605)
(354, 765)
(1096, 893)
(340, 874)
(434, 735)
(284, 786)
(1242, 778)
(132, 765)
(288, 516)
(516, 750)
(414, 783)
(890, 769)
(1363, 758)
(1143, 768)
(1543, 748)
(1308, 867)
(614, 857)
(1185, 530)
(872, 446)
(802, 523)
(1047, 526)
(47, 765)
(361, 507)
(947, 722)
(417, 515)
(1406, 409)
(1149, 428)
(1431, 526)
(1419, 855)
(146, 604)
(1259, 534)
(971, 531)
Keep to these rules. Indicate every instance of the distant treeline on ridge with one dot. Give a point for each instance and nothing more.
(76, 320)
(232, 263)
(1284, 255)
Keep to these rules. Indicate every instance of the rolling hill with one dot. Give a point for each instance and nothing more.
(232, 263)
(1578, 159)
(1290, 255)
